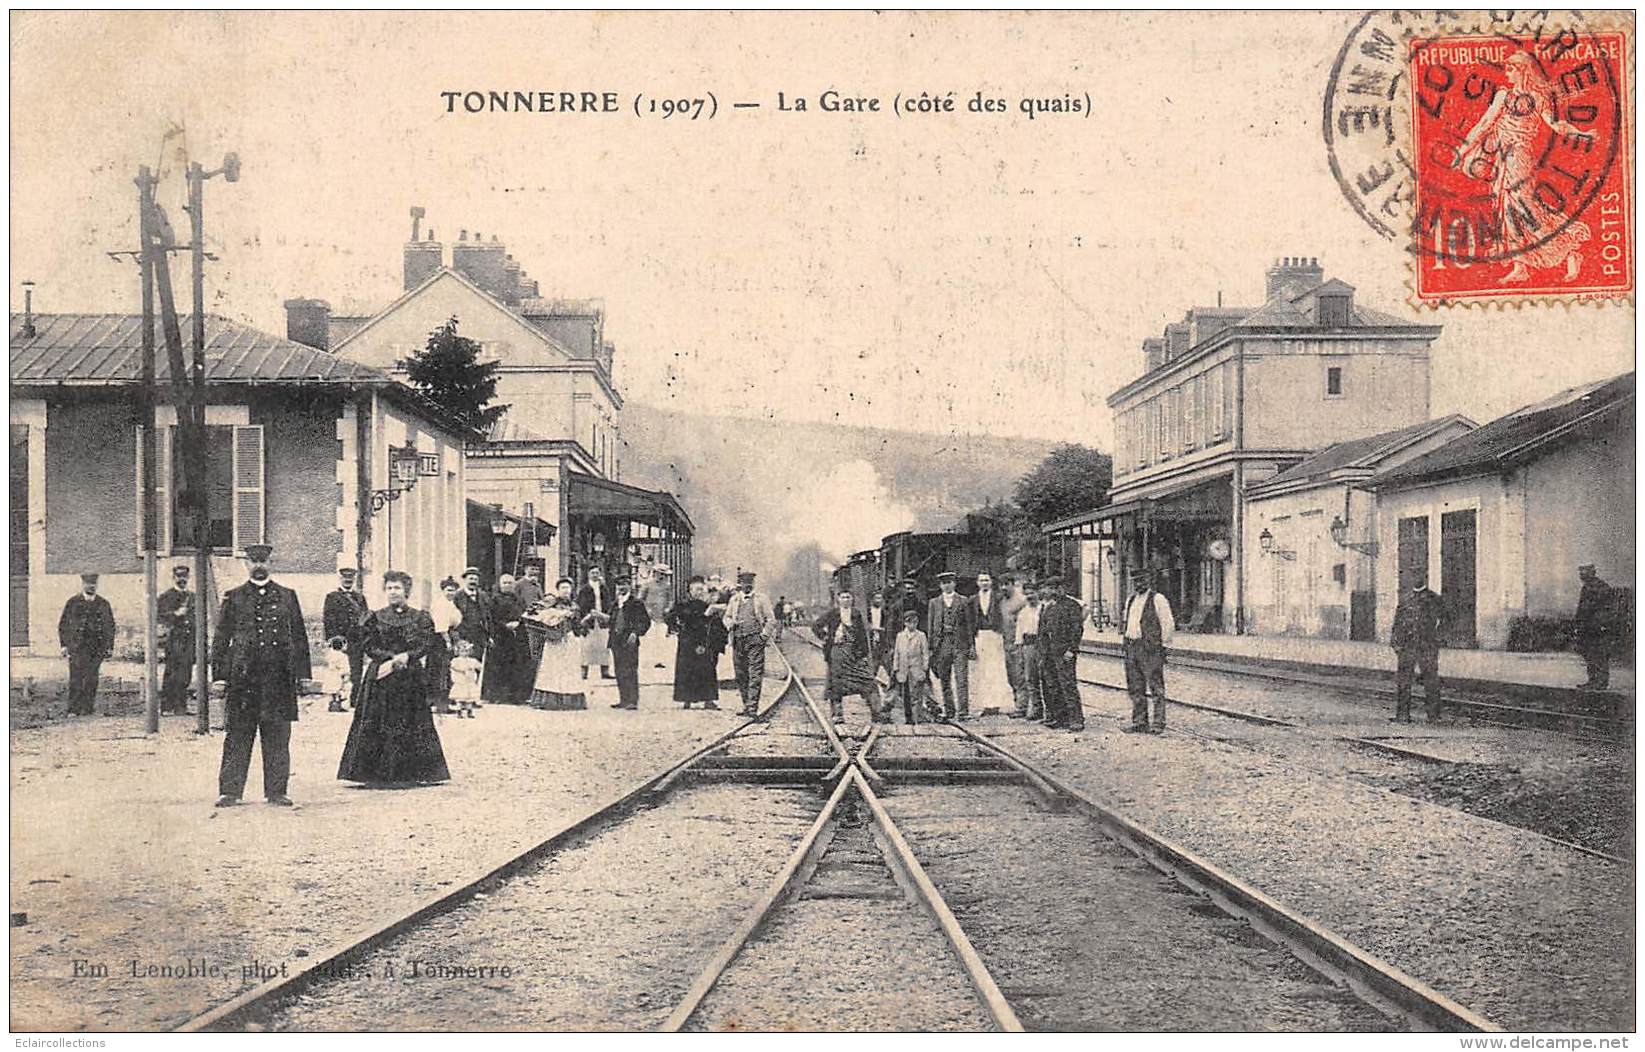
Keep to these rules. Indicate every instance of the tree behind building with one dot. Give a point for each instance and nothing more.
(448, 370)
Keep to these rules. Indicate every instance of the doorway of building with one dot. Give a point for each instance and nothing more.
(1413, 552)
(1457, 547)
(19, 535)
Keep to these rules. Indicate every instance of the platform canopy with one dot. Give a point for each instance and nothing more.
(590, 497)
(1096, 523)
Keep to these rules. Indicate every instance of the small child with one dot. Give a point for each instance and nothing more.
(911, 667)
(465, 679)
(339, 677)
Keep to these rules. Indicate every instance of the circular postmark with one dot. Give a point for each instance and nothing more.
(1482, 140)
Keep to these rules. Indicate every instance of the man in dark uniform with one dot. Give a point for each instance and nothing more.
(86, 634)
(1062, 624)
(174, 611)
(909, 599)
(1595, 618)
(259, 654)
(1418, 623)
(345, 615)
(629, 621)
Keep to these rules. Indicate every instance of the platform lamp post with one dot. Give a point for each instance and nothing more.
(501, 526)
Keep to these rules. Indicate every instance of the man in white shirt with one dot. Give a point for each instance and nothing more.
(989, 682)
(1149, 626)
(881, 632)
(1030, 685)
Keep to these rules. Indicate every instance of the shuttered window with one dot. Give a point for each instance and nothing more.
(250, 506)
(162, 489)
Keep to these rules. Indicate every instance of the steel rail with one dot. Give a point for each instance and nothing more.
(1374, 745)
(801, 864)
(1301, 728)
(1622, 727)
(334, 960)
(827, 726)
(1380, 984)
(910, 874)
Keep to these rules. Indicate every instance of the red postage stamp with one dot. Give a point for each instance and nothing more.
(1520, 157)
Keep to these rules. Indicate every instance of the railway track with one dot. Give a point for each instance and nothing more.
(942, 884)
(1070, 901)
(1610, 727)
(352, 969)
(1305, 732)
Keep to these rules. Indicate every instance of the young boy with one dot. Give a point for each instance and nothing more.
(465, 679)
(339, 676)
(911, 666)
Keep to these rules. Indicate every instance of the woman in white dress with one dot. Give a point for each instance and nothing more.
(990, 686)
(559, 681)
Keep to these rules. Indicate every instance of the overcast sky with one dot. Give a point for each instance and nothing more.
(973, 273)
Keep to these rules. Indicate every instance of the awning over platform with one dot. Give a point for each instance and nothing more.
(1091, 523)
(596, 498)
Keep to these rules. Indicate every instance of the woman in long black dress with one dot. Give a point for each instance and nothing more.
(696, 655)
(392, 740)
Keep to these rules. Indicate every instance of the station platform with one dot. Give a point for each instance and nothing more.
(1547, 677)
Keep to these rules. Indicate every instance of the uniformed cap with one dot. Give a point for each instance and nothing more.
(89, 578)
(947, 575)
(348, 573)
(910, 615)
(622, 579)
(745, 575)
(259, 553)
(910, 579)
(1585, 567)
(179, 571)
(472, 571)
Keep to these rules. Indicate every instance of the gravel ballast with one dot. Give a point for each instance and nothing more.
(848, 952)
(118, 856)
(1483, 912)
(605, 936)
(1576, 790)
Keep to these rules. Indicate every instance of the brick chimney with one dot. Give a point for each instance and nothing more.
(511, 281)
(1153, 354)
(1292, 276)
(481, 262)
(423, 259)
(308, 322)
(1176, 341)
(423, 255)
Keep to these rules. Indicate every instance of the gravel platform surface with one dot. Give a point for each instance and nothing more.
(606, 936)
(117, 854)
(1082, 935)
(847, 953)
(1531, 934)
(1580, 791)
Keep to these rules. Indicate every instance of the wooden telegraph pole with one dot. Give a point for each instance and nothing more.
(148, 514)
(188, 385)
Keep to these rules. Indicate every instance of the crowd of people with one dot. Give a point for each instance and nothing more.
(398, 668)
(932, 654)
